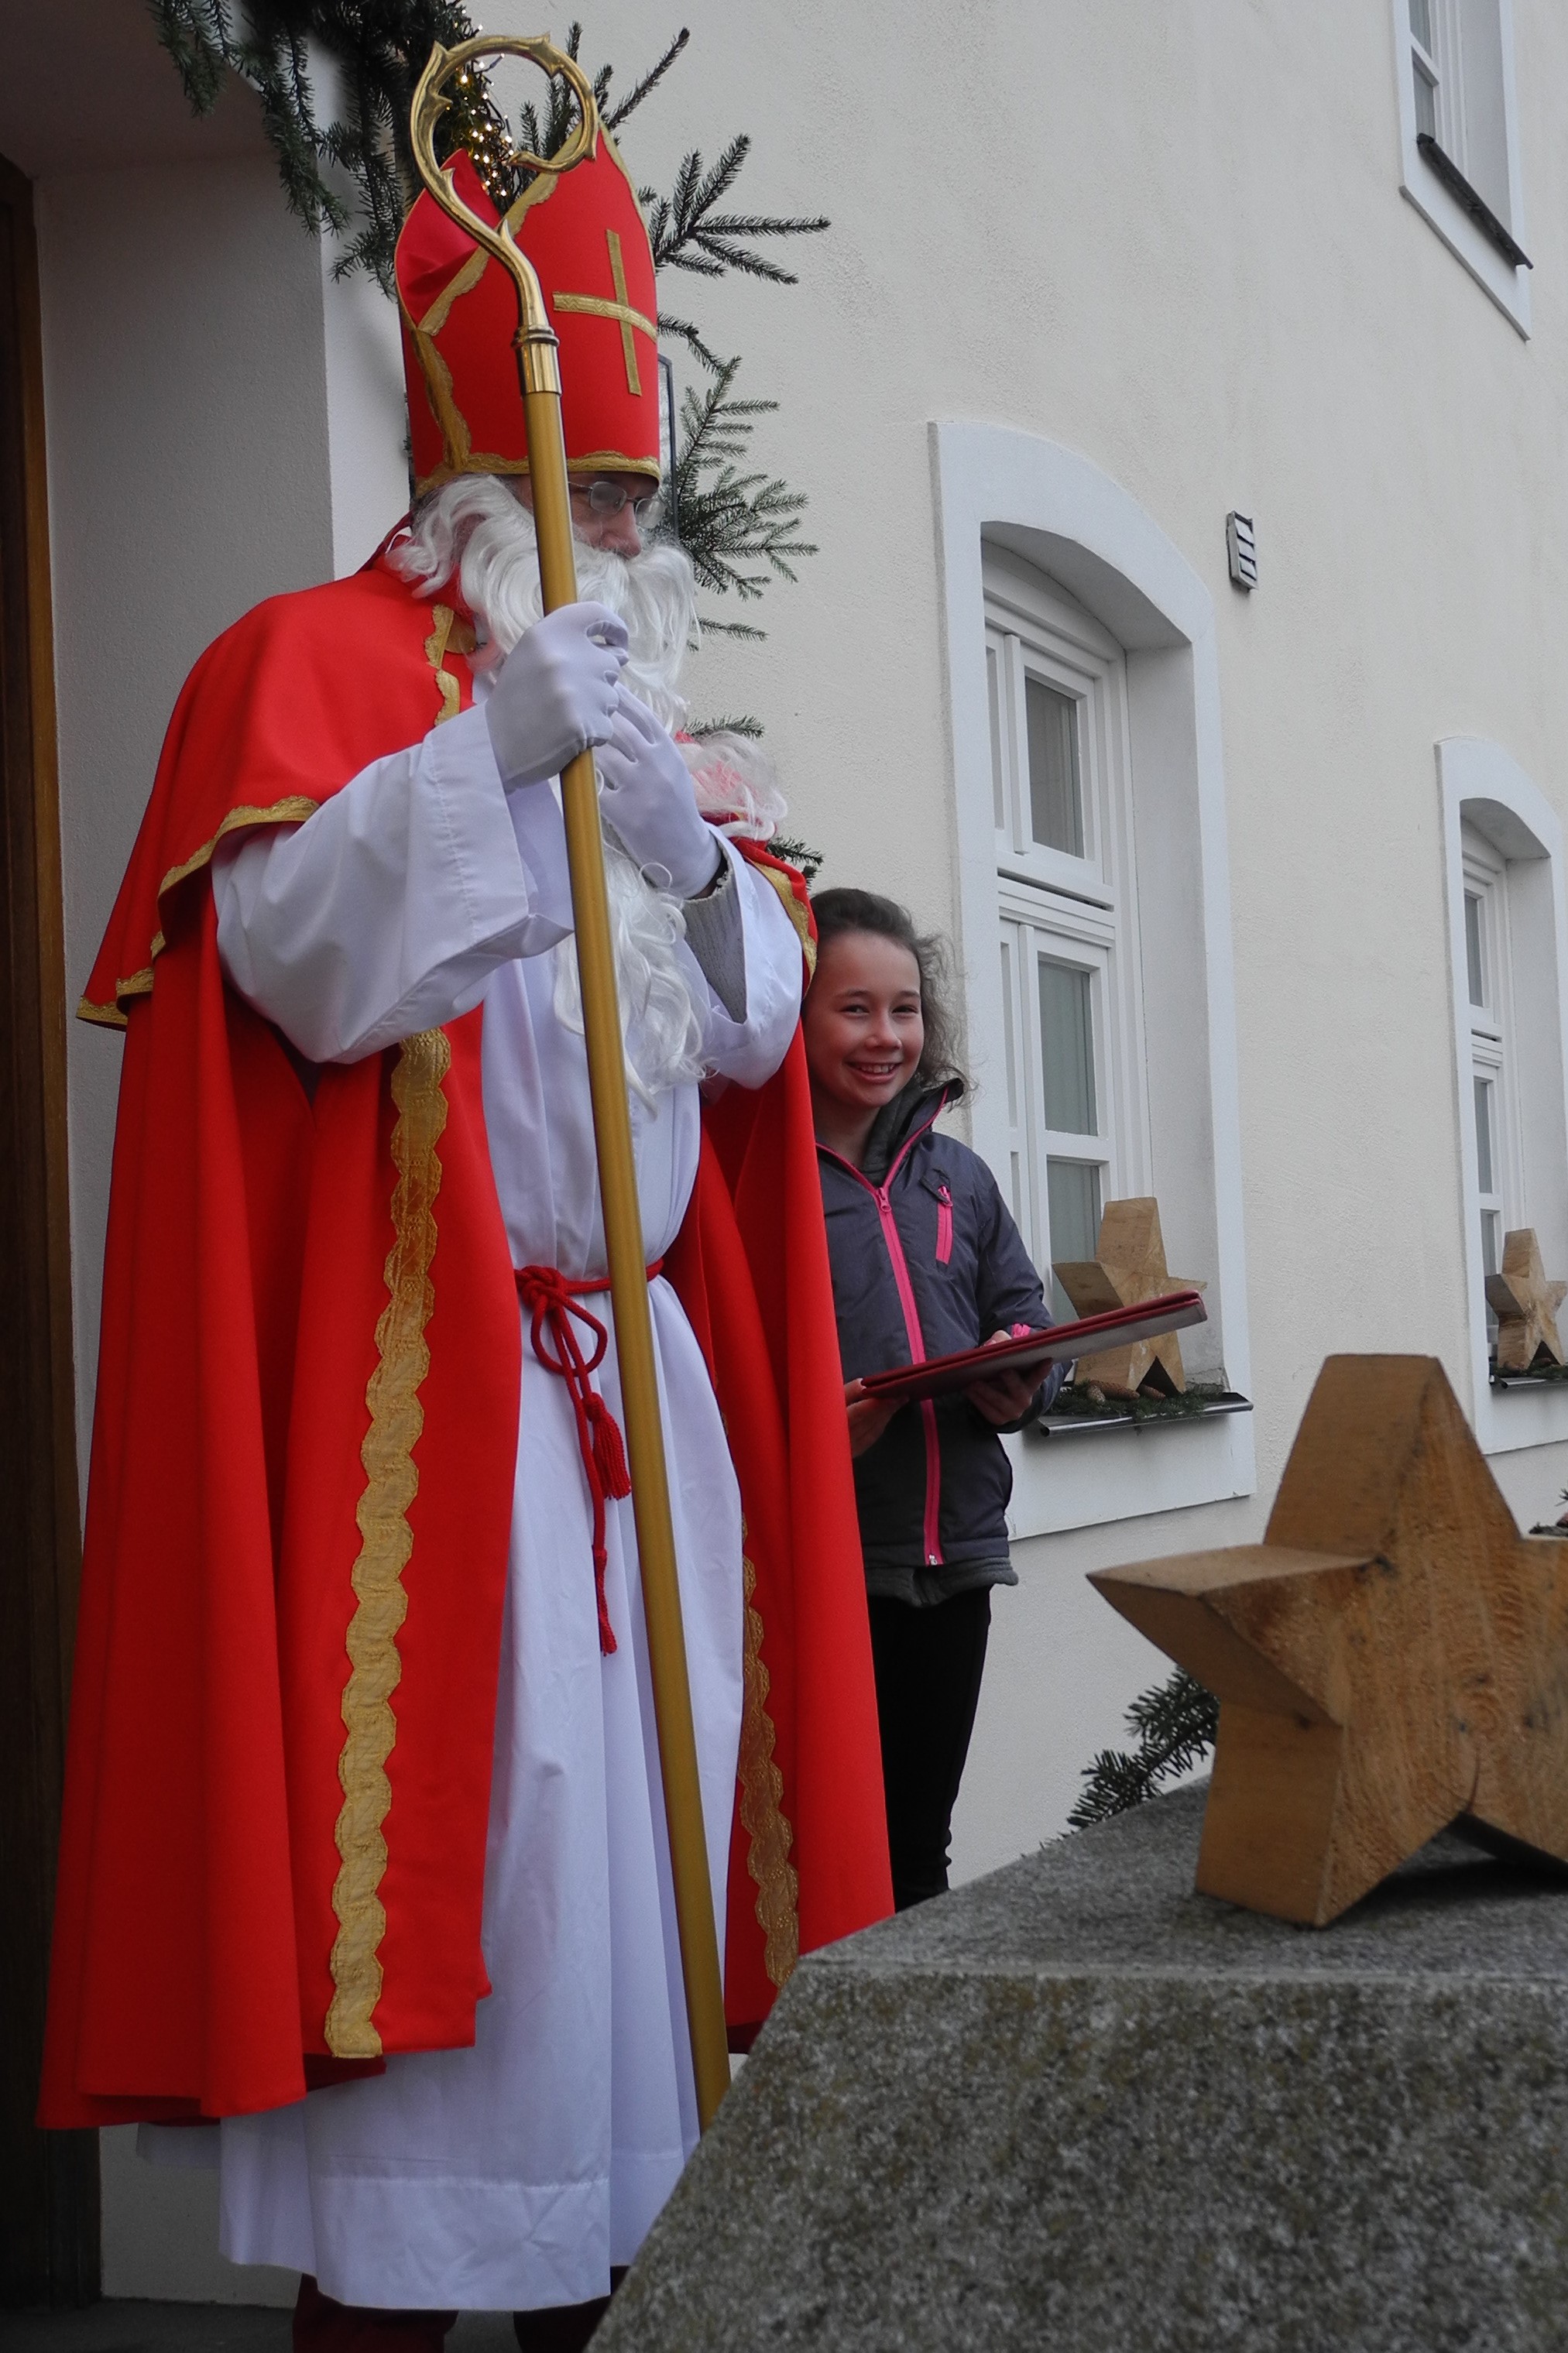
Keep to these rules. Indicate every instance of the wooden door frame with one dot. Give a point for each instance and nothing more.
(50, 2213)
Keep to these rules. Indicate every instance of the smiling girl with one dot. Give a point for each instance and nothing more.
(926, 1260)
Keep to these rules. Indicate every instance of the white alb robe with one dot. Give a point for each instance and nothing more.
(513, 2175)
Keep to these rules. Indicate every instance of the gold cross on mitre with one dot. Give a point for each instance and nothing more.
(620, 309)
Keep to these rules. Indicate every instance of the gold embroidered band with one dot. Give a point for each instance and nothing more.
(391, 1481)
(761, 1813)
(795, 912)
(458, 635)
(291, 811)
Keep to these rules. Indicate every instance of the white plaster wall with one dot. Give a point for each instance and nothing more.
(1172, 240)
(186, 401)
(160, 2233)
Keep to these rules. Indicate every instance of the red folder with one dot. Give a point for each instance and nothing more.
(1117, 1328)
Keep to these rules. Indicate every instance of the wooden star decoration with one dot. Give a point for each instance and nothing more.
(1129, 1266)
(1525, 1305)
(1392, 1659)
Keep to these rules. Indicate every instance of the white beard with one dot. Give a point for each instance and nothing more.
(474, 531)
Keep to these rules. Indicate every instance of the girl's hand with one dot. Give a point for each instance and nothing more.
(868, 1416)
(1005, 1396)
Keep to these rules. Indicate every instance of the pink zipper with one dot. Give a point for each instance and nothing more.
(882, 1195)
(944, 1226)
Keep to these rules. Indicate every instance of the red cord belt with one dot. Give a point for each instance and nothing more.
(551, 1299)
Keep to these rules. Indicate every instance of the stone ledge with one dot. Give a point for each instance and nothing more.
(1075, 2105)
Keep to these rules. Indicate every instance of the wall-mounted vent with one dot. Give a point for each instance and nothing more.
(1241, 550)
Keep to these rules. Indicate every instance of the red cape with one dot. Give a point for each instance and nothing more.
(272, 1855)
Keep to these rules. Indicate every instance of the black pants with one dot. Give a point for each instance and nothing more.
(928, 1667)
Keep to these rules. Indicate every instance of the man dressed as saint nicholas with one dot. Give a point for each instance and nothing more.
(364, 1892)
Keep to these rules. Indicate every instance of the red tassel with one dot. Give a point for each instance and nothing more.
(609, 1450)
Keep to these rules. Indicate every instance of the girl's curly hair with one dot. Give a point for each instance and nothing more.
(840, 911)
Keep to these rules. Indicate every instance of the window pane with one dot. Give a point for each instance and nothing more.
(1484, 1137)
(1426, 104)
(1055, 803)
(1073, 1202)
(1073, 1199)
(1473, 949)
(1421, 23)
(1490, 1255)
(1067, 1048)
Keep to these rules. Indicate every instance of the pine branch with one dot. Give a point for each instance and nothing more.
(381, 50)
(193, 34)
(687, 234)
(807, 861)
(683, 331)
(730, 518)
(730, 725)
(649, 81)
(1176, 1723)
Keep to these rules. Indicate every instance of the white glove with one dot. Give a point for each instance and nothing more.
(649, 798)
(556, 693)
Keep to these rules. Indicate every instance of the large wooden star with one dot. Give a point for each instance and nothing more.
(1525, 1305)
(1129, 1266)
(1391, 1657)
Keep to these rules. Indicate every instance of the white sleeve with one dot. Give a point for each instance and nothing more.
(387, 912)
(749, 1050)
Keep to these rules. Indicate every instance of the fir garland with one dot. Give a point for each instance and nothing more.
(1082, 1402)
(740, 525)
(1176, 1724)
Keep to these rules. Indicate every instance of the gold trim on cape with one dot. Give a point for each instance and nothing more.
(795, 912)
(458, 635)
(761, 1813)
(294, 810)
(386, 1544)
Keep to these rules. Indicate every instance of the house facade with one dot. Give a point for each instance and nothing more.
(1179, 394)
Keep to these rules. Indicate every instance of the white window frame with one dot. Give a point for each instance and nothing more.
(1508, 285)
(1502, 837)
(1491, 1030)
(1001, 489)
(1079, 910)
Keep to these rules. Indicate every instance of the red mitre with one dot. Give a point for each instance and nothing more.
(583, 233)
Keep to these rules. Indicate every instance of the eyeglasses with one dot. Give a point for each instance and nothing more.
(606, 497)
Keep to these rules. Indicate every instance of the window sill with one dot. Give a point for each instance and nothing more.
(1156, 1414)
(1425, 185)
(1515, 1410)
(1155, 1462)
(1553, 1377)
(1471, 202)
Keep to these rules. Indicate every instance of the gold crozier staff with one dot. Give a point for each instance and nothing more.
(539, 369)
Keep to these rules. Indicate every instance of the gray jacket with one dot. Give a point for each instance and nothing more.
(926, 1260)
